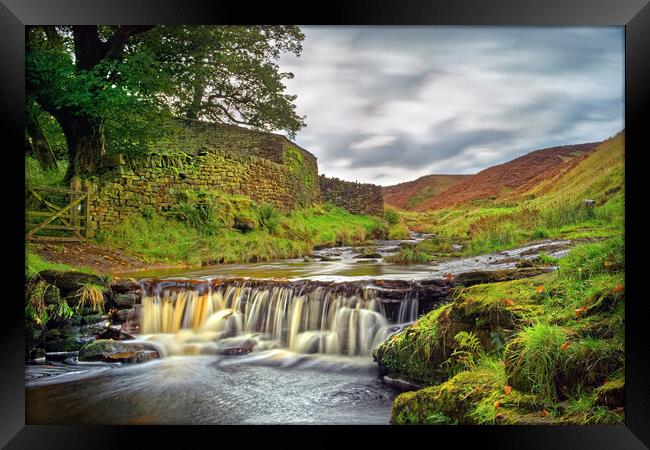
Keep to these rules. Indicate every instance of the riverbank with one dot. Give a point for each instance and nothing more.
(542, 350)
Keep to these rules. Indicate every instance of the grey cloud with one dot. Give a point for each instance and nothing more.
(448, 94)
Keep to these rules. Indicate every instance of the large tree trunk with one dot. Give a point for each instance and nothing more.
(193, 109)
(86, 143)
(40, 147)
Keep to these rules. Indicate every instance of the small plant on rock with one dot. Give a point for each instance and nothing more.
(92, 295)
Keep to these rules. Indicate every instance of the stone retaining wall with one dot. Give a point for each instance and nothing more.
(359, 198)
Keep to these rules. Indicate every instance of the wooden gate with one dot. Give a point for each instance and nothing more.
(58, 214)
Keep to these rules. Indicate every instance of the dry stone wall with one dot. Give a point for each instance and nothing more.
(198, 155)
(158, 181)
(358, 198)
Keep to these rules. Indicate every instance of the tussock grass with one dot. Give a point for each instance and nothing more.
(91, 295)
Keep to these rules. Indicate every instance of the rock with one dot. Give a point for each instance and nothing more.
(126, 300)
(125, 285)
(115, 333)
(70, 281)
(493, 276)
(235, 347)
(524, 263)
(67, 343)
(109, 350)
(401, 383)
(244, 224)
(369, 256)
(123, 315)
(328, 258)
(36, 353)
(406, 244)
(611, 394)
(60, 356)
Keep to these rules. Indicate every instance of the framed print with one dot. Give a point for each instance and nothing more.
(370, 214)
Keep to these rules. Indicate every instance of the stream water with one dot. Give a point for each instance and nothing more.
(307, 329)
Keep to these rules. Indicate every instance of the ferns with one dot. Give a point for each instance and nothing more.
(467, 354)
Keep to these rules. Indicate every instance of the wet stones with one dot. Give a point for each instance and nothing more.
(69, 281)
(108, 350)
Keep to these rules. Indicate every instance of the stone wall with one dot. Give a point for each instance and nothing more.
(359, 198)
(198, 155)
(158, 181)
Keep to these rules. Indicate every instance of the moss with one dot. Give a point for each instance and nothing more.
(611, 393)
(471, 397)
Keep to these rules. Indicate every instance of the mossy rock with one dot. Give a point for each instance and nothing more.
(108, 350)
(611, 393)
(565, 367)
(473, 397)
(244, 224)
(70, 281)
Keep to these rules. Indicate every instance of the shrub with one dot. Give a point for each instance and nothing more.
(268, 217)
(392, 216)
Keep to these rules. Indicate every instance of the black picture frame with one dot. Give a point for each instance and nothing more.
(633, 14)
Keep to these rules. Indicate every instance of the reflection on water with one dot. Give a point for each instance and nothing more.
(268, 387)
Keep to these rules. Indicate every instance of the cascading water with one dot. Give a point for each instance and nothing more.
(199, 317)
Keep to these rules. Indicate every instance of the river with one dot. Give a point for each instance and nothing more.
(311, 324)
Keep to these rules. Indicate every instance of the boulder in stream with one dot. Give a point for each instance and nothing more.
(108, 350)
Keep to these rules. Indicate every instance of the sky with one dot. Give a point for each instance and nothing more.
(386, 105)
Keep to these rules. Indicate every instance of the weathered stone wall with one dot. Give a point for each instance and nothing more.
(157, 181)
(198, 155)
(359, 198)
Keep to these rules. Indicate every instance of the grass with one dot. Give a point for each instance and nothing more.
(554, 342)
(34, 264)
(91, 295)
(39, 177)
(210, 240)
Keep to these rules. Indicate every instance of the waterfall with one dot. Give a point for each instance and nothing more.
(303, 318)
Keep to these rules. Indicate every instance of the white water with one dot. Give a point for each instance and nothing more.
(199, 320)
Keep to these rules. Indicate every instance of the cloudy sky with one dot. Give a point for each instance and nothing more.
(390, 104)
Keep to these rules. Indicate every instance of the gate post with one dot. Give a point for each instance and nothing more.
(75, 185)
(88, 187)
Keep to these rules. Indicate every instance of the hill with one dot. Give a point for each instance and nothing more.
(411, 194)
(512, 178)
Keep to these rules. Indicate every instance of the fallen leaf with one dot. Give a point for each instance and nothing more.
(581, 310)
(509, 302)
(497, 405)
(507, 389)
(543, 413)
(565, 346)
(619, 288)
(540, 289)
(608, 264)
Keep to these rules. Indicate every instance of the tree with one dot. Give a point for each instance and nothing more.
(102, 80)
(68, 70)
(36, 142)
(229, 74)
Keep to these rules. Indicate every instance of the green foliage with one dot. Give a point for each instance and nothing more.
(34, 264)
(392, 216)
(268, 217)
(36, 176)
(582, 410)
(534, 356)
(203, 231)
(398, 232)
(586, 261)
(228, 73)
(91, 295)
